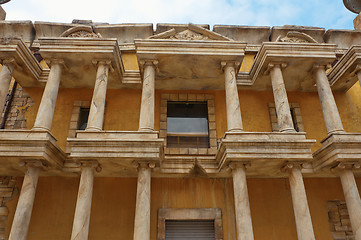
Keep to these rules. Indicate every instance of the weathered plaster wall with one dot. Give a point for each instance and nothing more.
(113, 206)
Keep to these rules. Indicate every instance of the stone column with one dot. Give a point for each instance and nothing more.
(300, 204)
(20, 226)
(241, 202)
(284, 118)
(142, 207)
(96, 113)
(84, 202)
(329, 108)
(352, 196)
(234, 118)
(45, 114)
(5, 77)
(146, 120)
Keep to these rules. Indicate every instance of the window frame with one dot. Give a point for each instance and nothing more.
(214, 214)
(297, 117)
(189, 97)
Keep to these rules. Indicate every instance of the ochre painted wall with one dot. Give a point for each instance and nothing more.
(113, 206)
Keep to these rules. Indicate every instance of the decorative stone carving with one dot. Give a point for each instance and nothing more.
(193, 32)
(189, 35)
(296, 37)
(81, 32)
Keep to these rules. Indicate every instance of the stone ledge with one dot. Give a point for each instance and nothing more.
(267, 152)
(17, 146)
(338, 147)
(116, 151)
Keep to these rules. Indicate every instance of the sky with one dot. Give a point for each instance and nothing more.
(329, 14)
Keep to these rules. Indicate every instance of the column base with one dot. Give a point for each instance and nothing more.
(40, 129)
(145, 130)
(94, 129)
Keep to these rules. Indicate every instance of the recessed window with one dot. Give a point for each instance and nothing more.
(295, 114)
(189, 229)
(83, 118)
(187, 125)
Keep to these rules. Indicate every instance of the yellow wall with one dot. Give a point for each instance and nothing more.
(113, 206)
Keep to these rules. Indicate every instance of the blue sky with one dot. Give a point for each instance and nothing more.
(329, 14)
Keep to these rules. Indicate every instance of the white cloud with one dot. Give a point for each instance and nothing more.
(235, 12)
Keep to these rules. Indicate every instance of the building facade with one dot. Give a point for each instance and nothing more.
(120, 131)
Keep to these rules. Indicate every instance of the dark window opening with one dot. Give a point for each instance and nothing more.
(83, 118)
(187, 125)
(294, 120)
(189, 229)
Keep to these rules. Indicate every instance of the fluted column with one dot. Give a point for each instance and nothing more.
(44, 118)
(234, 118)
(142, 207)
(97, 107)
(241, 202)
(329, 108)
(5, 77)
(84, 202)
(20, 226)
(284, 118)
(352, 195)
(146, 120)
(300, 205)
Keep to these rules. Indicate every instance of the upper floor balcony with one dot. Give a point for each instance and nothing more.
(179, 66)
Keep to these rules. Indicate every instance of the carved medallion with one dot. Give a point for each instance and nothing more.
(296, 37)
(83, 34)
(188, 35)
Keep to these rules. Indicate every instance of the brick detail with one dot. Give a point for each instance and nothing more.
(296, 111)
(184, 97)
(18, 107)
(340, 225)
(8, 191)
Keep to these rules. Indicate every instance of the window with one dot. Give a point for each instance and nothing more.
(83, 118)
(189, 229)
(187, 124)
(190, 223)
(295, 114)
(189, 127)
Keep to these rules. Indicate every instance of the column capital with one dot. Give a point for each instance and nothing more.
(34, 163)
(149, 62)
(324, 66)
(11, 62)
(235, 64)
(341, 166)
(271, 65)
(59, 61)
(355, 71)
(235, 165)
(104, 62)
(292, 165)
(91, 164)
(144, 164)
